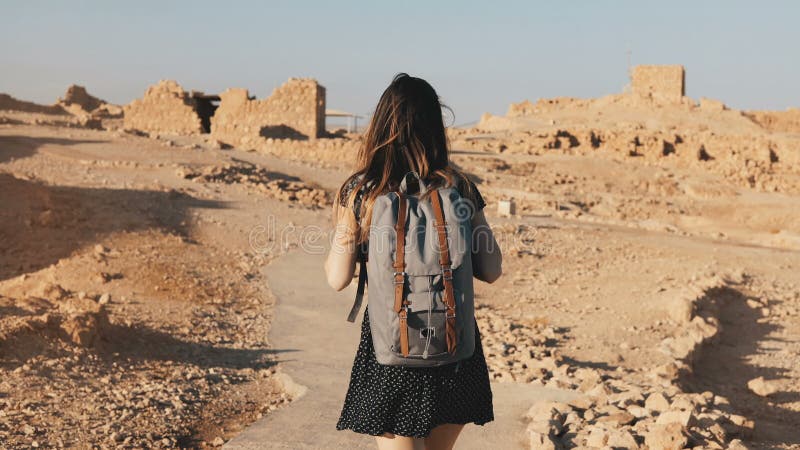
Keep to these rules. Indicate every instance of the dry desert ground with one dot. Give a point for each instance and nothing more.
(650, 268)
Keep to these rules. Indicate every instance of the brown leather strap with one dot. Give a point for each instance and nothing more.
(447, 272)
(403, 332)
(400, 303)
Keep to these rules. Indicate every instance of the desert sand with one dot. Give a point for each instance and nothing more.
(650, 267)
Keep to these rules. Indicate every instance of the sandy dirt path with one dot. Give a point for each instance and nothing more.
(317, 347)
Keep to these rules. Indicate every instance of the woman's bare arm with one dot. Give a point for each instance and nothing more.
(487, 260)
(341, 262)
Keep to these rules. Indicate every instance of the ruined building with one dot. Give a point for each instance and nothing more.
(167, 108)
(77, 100)
(295, 110)
(661, 83)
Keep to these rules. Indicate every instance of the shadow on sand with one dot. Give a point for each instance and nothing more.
(15, 147)
(724, 368)
(40, 224)
(145, 344)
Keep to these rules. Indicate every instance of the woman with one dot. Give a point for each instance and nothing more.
(405, 407)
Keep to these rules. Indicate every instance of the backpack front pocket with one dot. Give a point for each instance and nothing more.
(426, 322)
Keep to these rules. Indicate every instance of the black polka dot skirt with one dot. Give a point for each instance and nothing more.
(411, 401)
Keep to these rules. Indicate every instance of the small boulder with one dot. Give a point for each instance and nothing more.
(762, 387)
(665, 437)
(656, 402)
(684, 418)
(540, 441)
(622, 439)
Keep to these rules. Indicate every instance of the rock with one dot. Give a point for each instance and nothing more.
(51, 291)
(218, 442)
(682, 402)
(598, 437)
(740, 426)
(588, 384)
(762, 387)
(754, 304)
(581, 403)
(622, 439)
(656, 402)
(715, 429)
(638, 411)
(629, 396)
(539, 441)
(104, 299)
(722, 403)
(46, 218)
(681, 310)
(737, 444)
(547, 411)
(600, 393)
(84, 321)
(680, 347)
(670, 371)
(684, 418)
(573, 418)
(665, 437)
(546, 427)
(617, 419)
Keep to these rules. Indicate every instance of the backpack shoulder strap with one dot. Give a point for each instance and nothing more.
(362, 281)
(400, 303)
(447, 272)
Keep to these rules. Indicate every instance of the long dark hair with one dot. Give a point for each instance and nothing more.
(406, 134)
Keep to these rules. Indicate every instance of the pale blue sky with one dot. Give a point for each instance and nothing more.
(480, 56)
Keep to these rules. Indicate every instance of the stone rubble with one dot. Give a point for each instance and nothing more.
(622, 408)
(271, 184)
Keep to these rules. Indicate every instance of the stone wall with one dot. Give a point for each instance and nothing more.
(165, 108)
(662, 83)
(295, 110)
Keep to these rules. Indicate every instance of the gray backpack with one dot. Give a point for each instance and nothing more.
(421, 307)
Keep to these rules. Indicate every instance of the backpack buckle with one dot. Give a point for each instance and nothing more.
(401, 279)
(447, 273)
(426, 332)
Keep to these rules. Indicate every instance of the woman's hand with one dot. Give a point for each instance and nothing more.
(341, 262)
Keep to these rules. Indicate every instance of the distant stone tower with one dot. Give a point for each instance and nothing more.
(661, 83)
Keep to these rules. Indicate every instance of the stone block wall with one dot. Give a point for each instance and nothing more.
(661, 83)
(295, 110)
(165, 108)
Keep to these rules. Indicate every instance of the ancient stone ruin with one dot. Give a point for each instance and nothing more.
(167, 108)
(78, 101)
(295, 110)
(77, 108)
(661, 83)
